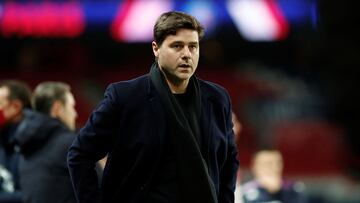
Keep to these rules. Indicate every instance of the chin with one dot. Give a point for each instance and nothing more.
(183, 77)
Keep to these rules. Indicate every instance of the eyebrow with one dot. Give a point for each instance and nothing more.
(182, 42)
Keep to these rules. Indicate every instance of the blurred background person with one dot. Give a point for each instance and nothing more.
(237, 130)
(268, 184)
(14, 97)
(44, 137)
(236, 126)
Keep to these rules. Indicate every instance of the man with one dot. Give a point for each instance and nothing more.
(14, 98)
(168, 135)
(268, 184)
(44, 137)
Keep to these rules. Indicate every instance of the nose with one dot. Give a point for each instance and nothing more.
(186, 52)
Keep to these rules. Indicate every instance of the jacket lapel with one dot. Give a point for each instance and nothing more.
(205, 127)
(158, 112)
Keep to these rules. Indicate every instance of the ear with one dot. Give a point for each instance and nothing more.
(56, 109)
(155, 49)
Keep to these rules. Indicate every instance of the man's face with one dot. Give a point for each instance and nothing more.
(178, 56)
(267, 168)
(268, 164)
(8, 108)
(68, 113)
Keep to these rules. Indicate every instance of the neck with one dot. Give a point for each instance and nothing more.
(177, 88)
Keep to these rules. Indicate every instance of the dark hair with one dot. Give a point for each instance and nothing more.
(18, 90)
(170, 22)
(46, 93)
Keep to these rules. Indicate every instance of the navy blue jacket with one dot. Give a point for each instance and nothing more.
(44, 143)
(129, 126)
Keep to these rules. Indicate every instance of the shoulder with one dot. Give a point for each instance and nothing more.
(249, 186)
(251, 191)
(138, 82)
(212, 87)
(66, 136)
(59, 143)
(295, 186)
(126, 89)
(61, 137)
(214, 91)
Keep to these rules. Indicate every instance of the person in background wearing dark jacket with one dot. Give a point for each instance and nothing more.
(269, 185)
(44, 137)
(168, 134)
(14, 98)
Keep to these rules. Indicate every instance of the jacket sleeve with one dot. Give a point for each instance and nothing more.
(93, 143)
(228, 173)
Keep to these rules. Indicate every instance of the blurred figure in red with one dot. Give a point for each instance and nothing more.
(268, 184)
(14, 98)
